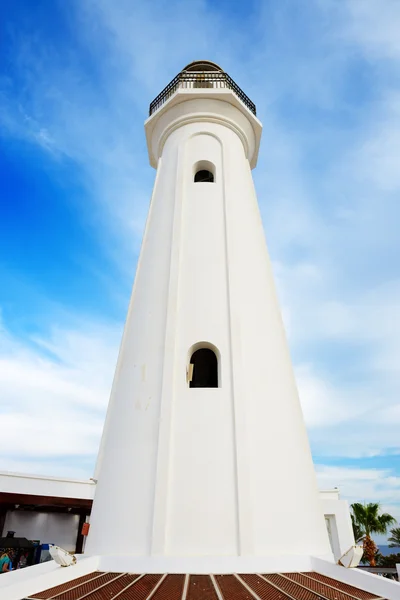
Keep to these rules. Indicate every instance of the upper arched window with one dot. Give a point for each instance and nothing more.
(203, 369)
(204, 172)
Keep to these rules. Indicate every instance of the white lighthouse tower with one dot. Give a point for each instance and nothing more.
(205, 455)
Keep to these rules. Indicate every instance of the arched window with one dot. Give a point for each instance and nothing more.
(203, 369)
(204, 172)
(204, 176)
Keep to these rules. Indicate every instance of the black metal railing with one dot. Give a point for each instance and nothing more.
(204, 79)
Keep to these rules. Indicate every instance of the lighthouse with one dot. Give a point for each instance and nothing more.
(204, 454)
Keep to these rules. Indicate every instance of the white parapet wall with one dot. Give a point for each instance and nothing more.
(381, 587)
(26, 582)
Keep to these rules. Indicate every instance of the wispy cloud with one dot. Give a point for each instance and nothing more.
(359, 485)
(54, 396)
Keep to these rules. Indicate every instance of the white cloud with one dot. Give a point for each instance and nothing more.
(321, 403)
(357, 383)
(54, 395)
(359, 485)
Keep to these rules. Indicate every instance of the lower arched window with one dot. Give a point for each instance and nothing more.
(204, 369)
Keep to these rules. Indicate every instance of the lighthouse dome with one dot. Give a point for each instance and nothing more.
(203, 65)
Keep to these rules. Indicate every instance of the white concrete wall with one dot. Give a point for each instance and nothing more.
(333, 494)
(53, 528)
(338, 514)
(205, 472)
(127, 463)
(202, 440)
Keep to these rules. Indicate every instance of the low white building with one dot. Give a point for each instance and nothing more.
(338, 521)
(48, 509)
(53, 510)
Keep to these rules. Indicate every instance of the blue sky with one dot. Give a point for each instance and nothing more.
(75, 83)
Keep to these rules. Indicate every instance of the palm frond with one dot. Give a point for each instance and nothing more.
(368, 518)
(394, 539)
(383, 523)
(358, 531)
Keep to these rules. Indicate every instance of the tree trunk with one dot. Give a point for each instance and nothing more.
(370, 550)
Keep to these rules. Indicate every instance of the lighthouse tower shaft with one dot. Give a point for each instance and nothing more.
(204, 451)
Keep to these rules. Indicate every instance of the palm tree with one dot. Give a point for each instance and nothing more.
(394, 538)
(368, 519)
